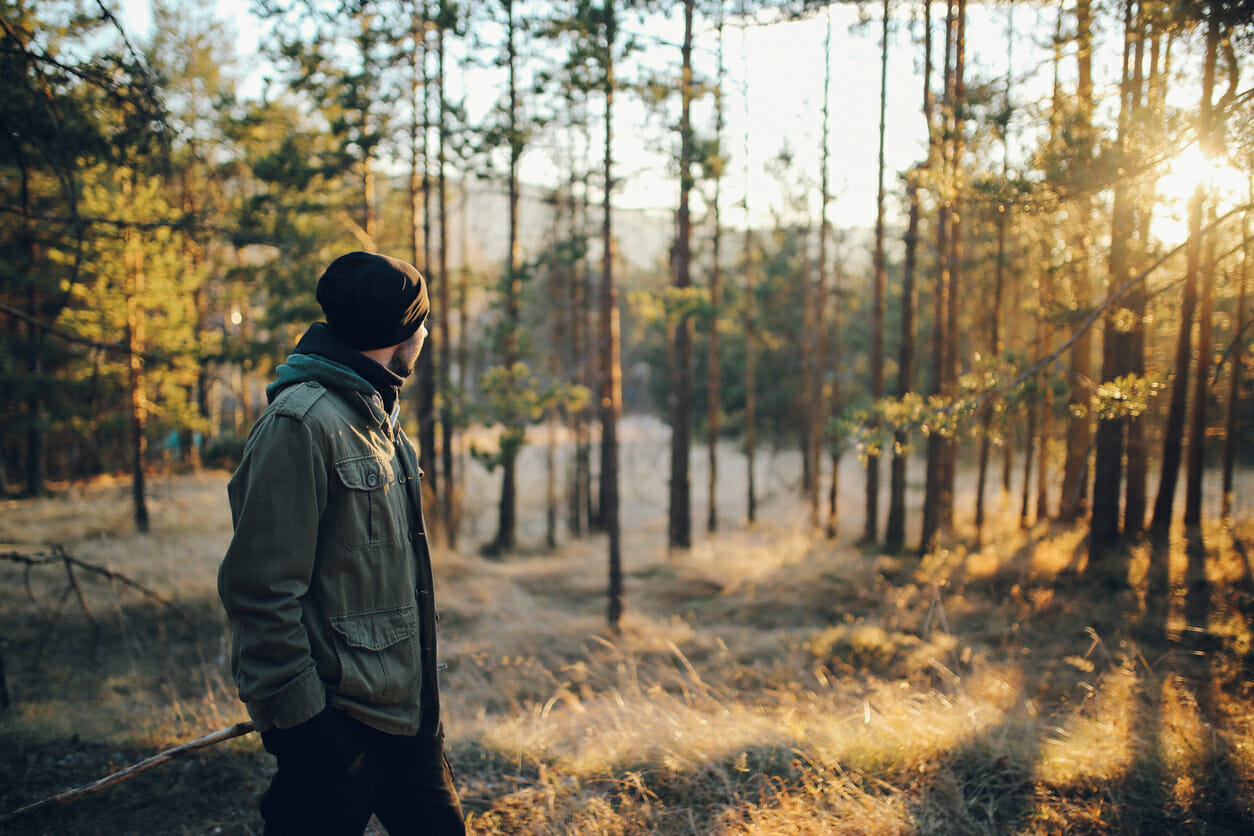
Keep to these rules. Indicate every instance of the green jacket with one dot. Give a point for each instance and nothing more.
(327, 581)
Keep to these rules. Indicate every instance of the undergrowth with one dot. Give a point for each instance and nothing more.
(768, 681)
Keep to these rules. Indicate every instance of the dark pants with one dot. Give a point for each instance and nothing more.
(333, 790)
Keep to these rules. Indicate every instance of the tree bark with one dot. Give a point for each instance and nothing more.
(1073, 501)
(1235, 375)
(715, 406)
(1104, 524)
(820, 342)
(448, 494)
(1201, 385)
(895, 527)
(611, 376)
(871, 529)
(134, 267)
(510, 354)
(680, 517)
(1173, 434)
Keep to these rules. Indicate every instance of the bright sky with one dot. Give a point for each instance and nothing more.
(783, 65)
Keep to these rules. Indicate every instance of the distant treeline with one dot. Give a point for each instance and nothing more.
(160, 235)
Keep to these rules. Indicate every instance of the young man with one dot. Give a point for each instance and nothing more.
(327, 581)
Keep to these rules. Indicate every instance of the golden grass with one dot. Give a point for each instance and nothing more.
(767, 681)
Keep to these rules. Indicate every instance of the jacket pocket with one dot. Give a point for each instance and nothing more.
(367, 516)
(378, 654)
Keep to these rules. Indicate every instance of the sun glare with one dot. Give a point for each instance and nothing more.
(1184, 173)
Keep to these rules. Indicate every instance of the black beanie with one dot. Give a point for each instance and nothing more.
(372, 301)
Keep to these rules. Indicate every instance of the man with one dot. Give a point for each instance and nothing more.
(327, 581)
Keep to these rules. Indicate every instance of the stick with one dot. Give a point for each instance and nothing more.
(74, 794)
(59, 555)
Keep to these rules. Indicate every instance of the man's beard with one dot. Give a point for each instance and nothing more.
(401, 366)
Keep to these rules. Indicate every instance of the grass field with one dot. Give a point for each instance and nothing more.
(769, 681)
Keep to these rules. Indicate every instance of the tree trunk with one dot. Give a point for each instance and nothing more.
(895, 528)
(680, 528)
(1104, 524)
(715, 406)
(510, 356)
(581, 345)
(134, 267)
(999, 283)
(821, 343)
(420, 190)
(1235, 375)
(1173, 434)
(949, 450)
(1073, 501)
(611, 376)
(448, 495)
(1201, 385)
(1028, 443)
(749, 315)
(940, 302)
(870, 530)
(1136, 301)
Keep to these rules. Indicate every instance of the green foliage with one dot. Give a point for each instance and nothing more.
(670, 305)
(1126, 396)
(515, 399)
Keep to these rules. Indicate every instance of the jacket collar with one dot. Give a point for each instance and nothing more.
(321, 357)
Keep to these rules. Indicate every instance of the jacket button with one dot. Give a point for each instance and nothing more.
(372, 479)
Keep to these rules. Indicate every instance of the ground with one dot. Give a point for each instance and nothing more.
(769, 680)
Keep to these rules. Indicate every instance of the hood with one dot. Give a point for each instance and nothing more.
(301, 368)
(320, 357)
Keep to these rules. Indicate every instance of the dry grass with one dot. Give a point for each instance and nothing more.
(768, 681)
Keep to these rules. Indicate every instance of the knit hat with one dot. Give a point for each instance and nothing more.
(372, 301)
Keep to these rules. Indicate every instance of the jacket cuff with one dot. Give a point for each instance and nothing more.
(303, 698)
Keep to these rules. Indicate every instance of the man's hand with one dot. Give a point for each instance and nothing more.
(326, 738)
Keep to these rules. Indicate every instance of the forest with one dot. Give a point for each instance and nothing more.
(906, 395)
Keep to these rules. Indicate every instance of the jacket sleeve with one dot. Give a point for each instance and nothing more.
(277, 497)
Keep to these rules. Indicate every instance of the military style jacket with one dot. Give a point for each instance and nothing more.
(327, 581)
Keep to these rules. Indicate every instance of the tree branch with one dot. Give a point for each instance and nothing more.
(75, 793)
(59, 555)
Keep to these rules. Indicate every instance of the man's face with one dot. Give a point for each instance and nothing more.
(405, 355)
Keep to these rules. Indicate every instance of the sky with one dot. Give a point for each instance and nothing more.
(775, 85)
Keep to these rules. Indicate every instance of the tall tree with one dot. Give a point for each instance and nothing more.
(895, 526)
(514, 137)
(1236, 372)
(870, 531)
(680, 506)
(446, 21)
(1073, 500)
(419, 227)
(749, 313)
(1173, 433)
(715, 405)
(956, 187)
(603, 20)
(341, 57)
(1104, 524)
(820, 341)
(1210, 141)
(934, 501)
(1005, 207)
(76, 95)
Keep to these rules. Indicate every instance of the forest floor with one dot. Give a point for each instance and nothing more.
(769, 680)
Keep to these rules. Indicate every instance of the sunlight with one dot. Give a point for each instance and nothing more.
(1185, 172)
(1097, 743)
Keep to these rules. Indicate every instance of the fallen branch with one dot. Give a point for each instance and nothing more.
(74, 794)
(59, 555)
